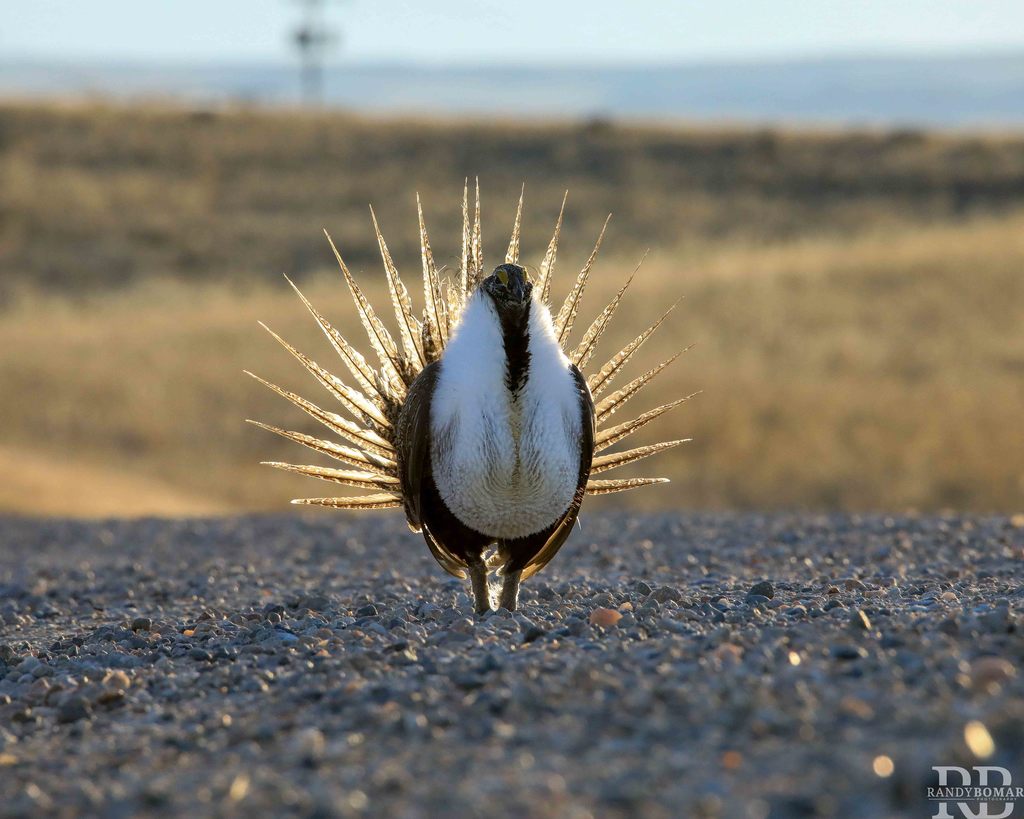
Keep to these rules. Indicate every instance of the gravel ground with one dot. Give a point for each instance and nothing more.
(663, 666)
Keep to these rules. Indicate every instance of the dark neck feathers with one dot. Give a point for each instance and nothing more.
(515, 331)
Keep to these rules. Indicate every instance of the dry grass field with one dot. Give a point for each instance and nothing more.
(856, 299)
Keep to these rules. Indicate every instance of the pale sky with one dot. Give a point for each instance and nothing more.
(504, 31)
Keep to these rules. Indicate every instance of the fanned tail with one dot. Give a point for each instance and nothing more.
(376, 399)
(612, 435)
(380, 339)
(512, 254)
(606, 407)
(353, 359)
(547, 266)
(348, 477)
(570, 307)
(352, 400)
(600, 381)
(346, 454)
(408, 326)
(435, 313)
(602, 463)
(621, 485)
(384, 500)
(477, 245)
(588, 344)
(365, 438)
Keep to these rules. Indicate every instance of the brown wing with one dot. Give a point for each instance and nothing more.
(563, 528)
(412, 445)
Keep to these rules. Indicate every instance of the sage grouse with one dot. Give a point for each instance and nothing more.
(478, 419)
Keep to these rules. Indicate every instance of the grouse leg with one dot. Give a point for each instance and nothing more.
(509, 598)
(481, 590)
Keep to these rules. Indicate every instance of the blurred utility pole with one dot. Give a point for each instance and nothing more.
(313, 39)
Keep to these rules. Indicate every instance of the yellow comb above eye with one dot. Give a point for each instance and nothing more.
(502, 276)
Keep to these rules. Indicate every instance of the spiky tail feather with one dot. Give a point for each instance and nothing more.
(381, 390)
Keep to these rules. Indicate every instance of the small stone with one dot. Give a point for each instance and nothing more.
(27, 665)
(764, 589)
(239, 788)
(533, 633)
(110, 696)
(308, 744)
(853, 584)
(949, 597)
(848, 652)
(72, 710)
(990, 672)
(666, 594)
(38, 691)
(606, 618)
(856, 707)
(315, 602)
(200, 654)
(142, 624)
(429, 611)
(116, 681)
(860, 620)
(729, 654)
(369, 610)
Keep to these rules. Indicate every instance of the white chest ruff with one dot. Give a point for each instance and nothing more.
(505, 466)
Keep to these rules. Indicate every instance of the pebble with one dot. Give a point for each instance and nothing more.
(533, 633)
(606, 618)
(666, 594)
(763, 589)
(860, 621)
(848, 652)
(72, 710)
(988, 673)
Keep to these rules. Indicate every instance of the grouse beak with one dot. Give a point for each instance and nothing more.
(518, 287)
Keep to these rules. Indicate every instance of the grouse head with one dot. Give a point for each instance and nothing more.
(509, 288)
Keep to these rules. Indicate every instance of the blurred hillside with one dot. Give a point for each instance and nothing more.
(856, 298)
(100, 197)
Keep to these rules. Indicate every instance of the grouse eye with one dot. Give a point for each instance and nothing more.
(502, 276)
